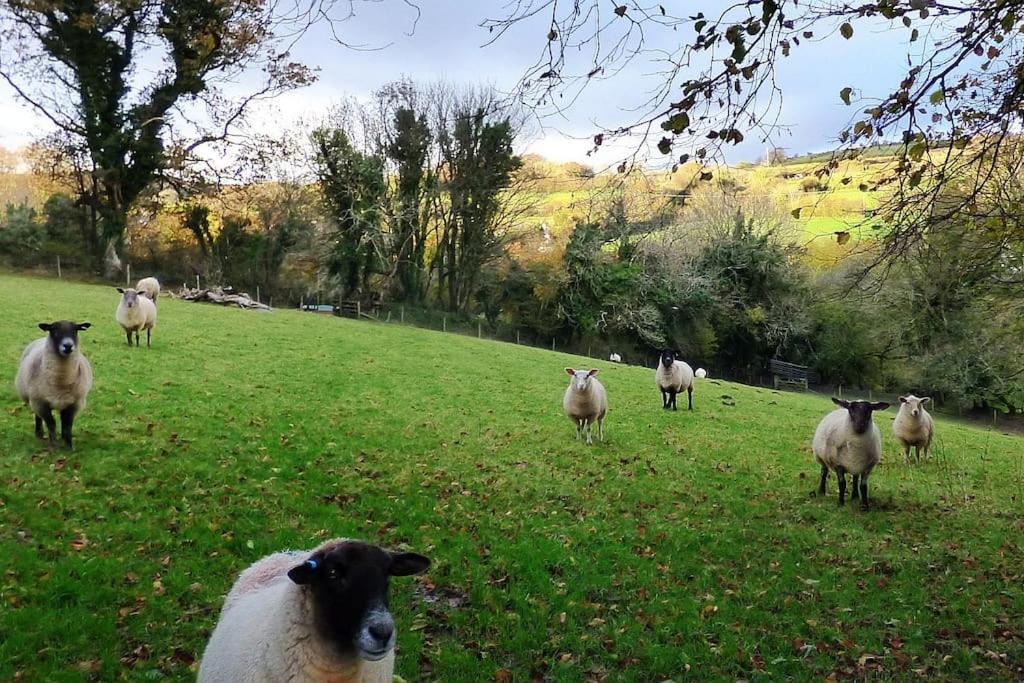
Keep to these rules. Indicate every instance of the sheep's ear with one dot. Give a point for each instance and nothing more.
(593, 371)
(45, 327)
(570, 372)
(304, 573)
(881, 405)
(840, 402)
(83, 326)
(407, 564)
(903, 399)
(926, 399)
(121, 289)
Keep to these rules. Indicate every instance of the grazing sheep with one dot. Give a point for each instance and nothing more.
(673, 377)
(150, 287)
(313, 617)
(847, 440)
(135, 313)
(585, 403)
(54, 375)
(701, 373)
(615, 358)
(913, 426)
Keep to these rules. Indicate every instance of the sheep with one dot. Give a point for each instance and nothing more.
(615, 358)
(313, 616)
(135, 313)
(847, 440)
(54, 375)
(673, 377)
(585, 402)
(701, 373)
(913, 426)
(150, 287)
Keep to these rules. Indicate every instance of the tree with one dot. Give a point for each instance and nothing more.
(957, 108)
(76, 62)
(474, 208)
(352, 184)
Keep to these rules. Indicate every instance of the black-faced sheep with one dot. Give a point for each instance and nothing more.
(308, 617)
(673, 377)
(54, 375)
(585, 402)
(847, 440)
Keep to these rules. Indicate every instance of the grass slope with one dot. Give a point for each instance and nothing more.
(686, 546)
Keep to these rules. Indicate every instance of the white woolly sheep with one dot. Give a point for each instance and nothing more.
(847, 440)
(54, 375)
(313, 616)
(701, 373)
(913, 426)
(615, 358)
(585, 402)
(150, 287)
(135, 313)
(673, 377)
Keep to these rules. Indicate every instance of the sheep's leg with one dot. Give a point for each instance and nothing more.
(841, 475)
(600, 428)
(689, 397)
(856, 487)
(128, 334)
(864, 493)
(824, 480)
(67, 419)
(906, 454)
(664, 399)
(39, 428)
(579, 426)
(590, 430)
(51, 425)
(917, 454)
(148, 331)
(672, 397)
(138, 342)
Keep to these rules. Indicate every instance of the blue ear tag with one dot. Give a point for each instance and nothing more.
(312, 564)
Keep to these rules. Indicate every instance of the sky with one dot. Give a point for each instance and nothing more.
(448, 43)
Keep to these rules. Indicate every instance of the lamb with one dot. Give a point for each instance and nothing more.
(673, 377)
(54, 375)
(913, 426)
(847, 440)
(585, 403)
(135, 313)
(150, 287)
(313, 616)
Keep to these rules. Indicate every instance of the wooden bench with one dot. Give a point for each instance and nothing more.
(789, 373)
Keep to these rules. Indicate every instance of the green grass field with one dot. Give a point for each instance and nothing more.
(686, 547)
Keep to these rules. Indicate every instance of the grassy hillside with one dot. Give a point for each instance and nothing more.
(686, 546)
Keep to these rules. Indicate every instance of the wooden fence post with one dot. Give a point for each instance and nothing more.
(517, 336)
(444, 323)
(359, 310)
(478, 336)
(59, 276)
(403, 314)
(128, 275)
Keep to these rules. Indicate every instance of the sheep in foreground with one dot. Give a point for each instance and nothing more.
(314, 616)
(585, 403)
(54, 375)
(135, 313)
(847, 440)
(149, 287)
(913, 426)
(673, 377)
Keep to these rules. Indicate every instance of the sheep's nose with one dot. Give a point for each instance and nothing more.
(66, 348)
(382, 630)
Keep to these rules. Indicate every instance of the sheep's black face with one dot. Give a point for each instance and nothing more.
(860, 412)
(668, 357)
(63, 335)
(350, 595)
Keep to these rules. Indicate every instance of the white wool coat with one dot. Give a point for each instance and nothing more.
(142, 316)
(837, 445)
(678, 378)
(266, 634)
(149, 286)
(913, 431)
(590, 405)
(45, 378)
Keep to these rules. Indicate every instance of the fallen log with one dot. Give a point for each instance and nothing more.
(219, 296)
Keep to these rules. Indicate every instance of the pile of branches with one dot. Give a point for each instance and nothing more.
(224, 297)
